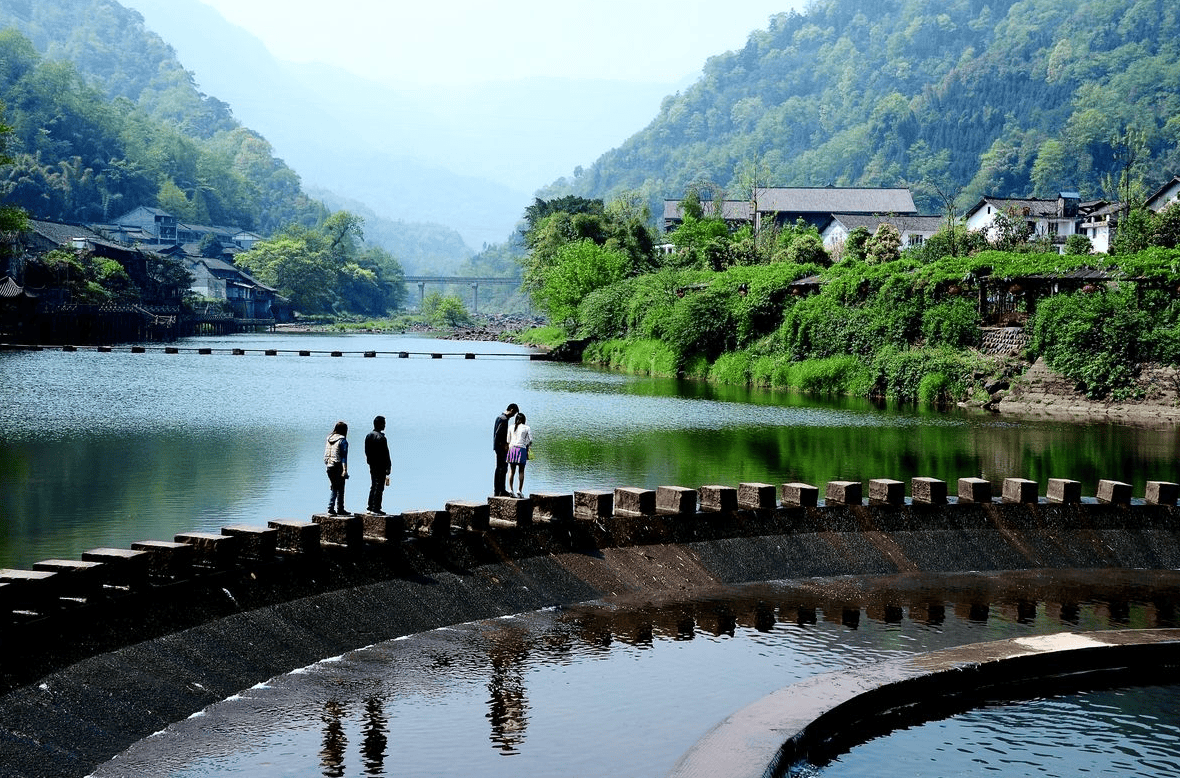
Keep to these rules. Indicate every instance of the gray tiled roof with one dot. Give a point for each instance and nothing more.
(10, 288)
(835, 200)
(851, 221)
(64, 234)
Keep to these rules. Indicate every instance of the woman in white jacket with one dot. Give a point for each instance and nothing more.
(520, 437)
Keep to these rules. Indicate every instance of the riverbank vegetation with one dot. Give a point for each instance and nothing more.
(328, 269)
(775, 310)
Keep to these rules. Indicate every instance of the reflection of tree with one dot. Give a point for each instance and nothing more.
(332, 753)
(508, 707)
(717, 618)
(373, 746)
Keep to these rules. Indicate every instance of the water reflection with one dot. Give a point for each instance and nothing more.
(376, 738)
(623, 686)
(507, 706)
(335, 741)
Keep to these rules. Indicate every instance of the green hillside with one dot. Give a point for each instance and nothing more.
(105, 119)
(966, 97)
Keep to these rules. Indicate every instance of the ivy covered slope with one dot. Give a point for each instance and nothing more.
(1000, 98)
(105, 119)
(773, 309)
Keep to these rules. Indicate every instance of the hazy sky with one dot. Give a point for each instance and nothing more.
(452, 41)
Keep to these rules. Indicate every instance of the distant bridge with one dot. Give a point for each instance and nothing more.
(475, 281)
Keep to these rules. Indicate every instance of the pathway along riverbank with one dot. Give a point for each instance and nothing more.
(99, 654)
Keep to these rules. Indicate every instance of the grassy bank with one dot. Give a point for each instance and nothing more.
(935, 376)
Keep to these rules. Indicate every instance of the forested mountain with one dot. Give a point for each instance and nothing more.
(966, 97)
(106, 118)
(422, 249)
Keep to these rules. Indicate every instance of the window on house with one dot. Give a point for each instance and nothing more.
(1053, 227)
(916, 240)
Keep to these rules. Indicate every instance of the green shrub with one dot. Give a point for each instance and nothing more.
(732, 368)
(701, 324)
(602, 313)
(901, 374)
(769, 371)
(642, 357)
(934, 389)
(1096, 340)
(547, 336)
(954, 323)
(695, 367)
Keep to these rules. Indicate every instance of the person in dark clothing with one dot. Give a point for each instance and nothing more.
(500, 445)
(380, 465)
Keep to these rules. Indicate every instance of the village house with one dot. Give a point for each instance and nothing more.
(1164, 196)
(1055, 219)
(145, 268)
(215, 277)
(154, 226)
(1099, 226)
(914, 230)
(816, 206)
(248, 298)
(146, 224)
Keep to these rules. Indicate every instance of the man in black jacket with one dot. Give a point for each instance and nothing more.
(500, 444)
(380, 465)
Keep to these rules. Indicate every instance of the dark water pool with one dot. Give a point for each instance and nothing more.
(624, 687)
(1122, 732)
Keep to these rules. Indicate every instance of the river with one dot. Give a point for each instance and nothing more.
(104, 449)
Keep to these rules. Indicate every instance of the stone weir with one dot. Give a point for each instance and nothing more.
(98, 653)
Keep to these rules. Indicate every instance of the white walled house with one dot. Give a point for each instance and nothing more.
(1164, 196)
(1099, 226)
(914, 230)
(1053, 219)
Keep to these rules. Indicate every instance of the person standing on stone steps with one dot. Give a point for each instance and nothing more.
(380, 465)
(520, 438)
(500, 445)
(336, 462)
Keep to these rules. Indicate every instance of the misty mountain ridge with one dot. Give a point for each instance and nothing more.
(451, 155)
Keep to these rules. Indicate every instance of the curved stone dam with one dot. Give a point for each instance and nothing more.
(101, 652)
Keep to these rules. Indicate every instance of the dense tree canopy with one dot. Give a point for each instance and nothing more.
(105, 119)
(327, 268)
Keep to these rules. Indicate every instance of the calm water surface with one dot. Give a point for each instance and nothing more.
(107, 449)
(1126, 732)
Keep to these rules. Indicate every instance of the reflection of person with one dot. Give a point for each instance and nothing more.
(380, 466)
(500, 444)
(520, 437)
(336, 461)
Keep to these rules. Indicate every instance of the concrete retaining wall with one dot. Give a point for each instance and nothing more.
(100, 652)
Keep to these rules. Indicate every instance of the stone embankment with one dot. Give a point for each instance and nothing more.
(1041, 392)
(98, 653)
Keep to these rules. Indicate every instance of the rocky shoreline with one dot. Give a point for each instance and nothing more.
(1039, 392)
(498, 327)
